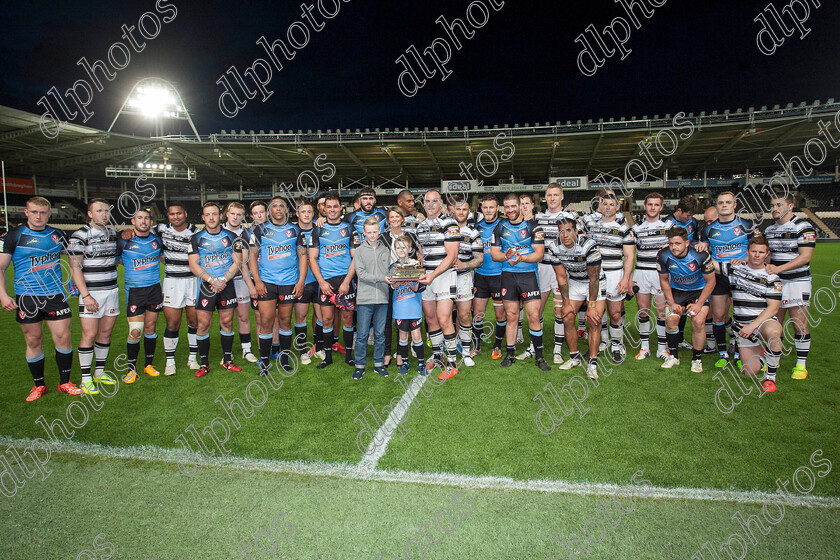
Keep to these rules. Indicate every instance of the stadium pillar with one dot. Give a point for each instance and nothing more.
(274, 188)
(240, 191)
(78, 188)
(203, 197)
(164, 195)
(704, 178)
(86, 191)
(35, 183)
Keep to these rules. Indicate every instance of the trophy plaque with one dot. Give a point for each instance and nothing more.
(407, 269)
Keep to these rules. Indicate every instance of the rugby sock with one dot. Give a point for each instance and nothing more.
(300, 337)
(644, 331)
(519, 328)
(604, 331)
(593, 361)
(719, 330)
(203, 346)
(559, 334)
(402, 350)
(616, 334)
(466, 340)
(275, 348)
(36, 368)
(772, 359)
(510, 351)
(192, 339)
(673, 338)
(501, 326)
(660, 336)
(451, 343)
(285, 346)
(454, 315)
(696, 354)
(328, 336)
(132, 351)
(149, 346)
(682, 327)
(437, 343)
(227, 345)
(574, 356)
(170, 343)
(537, 343)
(803, 346)
(85, 359)
(420, 350)
(477, 332)
(347, 334)
(265, 351)
(64, 361)
(100, 351)
(245, 341)
(710, 333)
(318, 334)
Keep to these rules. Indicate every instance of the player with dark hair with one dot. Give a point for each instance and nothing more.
(487, 282)
(367, 208)
(34, 249)
(305, 214)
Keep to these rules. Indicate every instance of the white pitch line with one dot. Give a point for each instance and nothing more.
(354, 472)
(386, 431)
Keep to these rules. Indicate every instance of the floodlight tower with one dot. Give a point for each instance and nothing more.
(156, 99)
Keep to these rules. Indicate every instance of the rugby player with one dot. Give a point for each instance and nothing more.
(367, 208)
(756, 300)
(548, 220)
(330, 257)
(143, 293)
(470, 257)
(278, 263)
(726, 238)
(792, 241)
(214, 258)
(439, 239)
(683, 216)
(34, 248)
(405, 200)
(487, 281)
(179, 283)
(305, 214)
(580, 279)
(526, 208)
(242, 284)
(687, 277)
(651, 236)
(519, 245)
(616, 243)
(92, 251)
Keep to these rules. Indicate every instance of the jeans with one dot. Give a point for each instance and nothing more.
(364, 314)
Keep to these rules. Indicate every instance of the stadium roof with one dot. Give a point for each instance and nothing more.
(721, 145)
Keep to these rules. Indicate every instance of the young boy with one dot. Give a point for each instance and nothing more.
(408, 311)
(370, 261)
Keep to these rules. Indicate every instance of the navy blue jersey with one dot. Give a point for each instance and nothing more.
(141, 260)
(357, 220)
(307, 238)
(277, 257)
(521, 237)
(690, 226)
(685, 273)
(215, 250)
(333, 242)
(488, 267)
(728, 240)
(36, 256)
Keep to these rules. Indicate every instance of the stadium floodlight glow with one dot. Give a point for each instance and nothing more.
(155, 99)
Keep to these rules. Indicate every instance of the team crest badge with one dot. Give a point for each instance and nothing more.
(504, 291)
(22, 313)
(204, 302)
(225, 241)
(692, 266)
(154, 244)
(54, 237)
(133, 308)
(523, 233)
(737, 231)
(289, 233)
(343, 232)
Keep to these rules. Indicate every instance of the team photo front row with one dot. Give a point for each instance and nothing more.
(374, 271)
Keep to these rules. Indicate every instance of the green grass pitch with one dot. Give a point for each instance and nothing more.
(481, 423)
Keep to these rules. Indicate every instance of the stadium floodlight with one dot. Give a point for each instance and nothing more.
(155, 99)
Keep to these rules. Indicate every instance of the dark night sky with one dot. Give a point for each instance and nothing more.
(520, 67)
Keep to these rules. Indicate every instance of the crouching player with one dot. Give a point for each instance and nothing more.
(580, 279)
(143, 293)
(687, 277)
(756, 299)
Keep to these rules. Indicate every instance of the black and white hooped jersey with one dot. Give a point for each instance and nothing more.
(432, 235)
(596, 216)
(651, 237)
(751, 289)
(176, 249)
(409, 226)
(98, 248)
(548, 221)
(577, 258)
(785, 241)
(470, 241)
(611, 238)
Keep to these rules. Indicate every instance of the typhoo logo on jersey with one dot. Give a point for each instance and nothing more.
(43, 259)
(278, 251)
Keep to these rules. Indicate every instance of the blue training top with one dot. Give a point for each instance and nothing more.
(488, 267)
(307, 238)
(278, 258)
(333, 242)
(685, 273)
(357, 220)
(215, 250)
(728, 240)
(522, 237)
(36, 256)
(141, 260)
